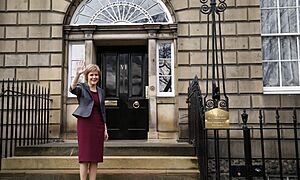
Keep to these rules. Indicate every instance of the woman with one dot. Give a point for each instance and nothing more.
(91, 119)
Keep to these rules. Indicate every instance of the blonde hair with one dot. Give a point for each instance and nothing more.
(90, 68)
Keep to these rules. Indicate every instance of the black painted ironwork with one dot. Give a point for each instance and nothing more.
(262, 149)
(24, 114)
(296, 143)
(247, 146)
(215, 62)
(196, 124)
(247, 152)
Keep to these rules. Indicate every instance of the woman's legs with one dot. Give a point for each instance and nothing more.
(93, 171)
(88, 168)
(83, 170)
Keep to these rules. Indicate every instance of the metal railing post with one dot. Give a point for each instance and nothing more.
(247, 146)
(2, 121)
(279, 143)
(7, 119)
(11, 139)
(262, 143)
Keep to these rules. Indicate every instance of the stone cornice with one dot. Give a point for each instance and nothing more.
(89, 32)
(145, 27)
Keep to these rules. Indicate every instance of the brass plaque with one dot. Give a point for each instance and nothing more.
(217, 118)
(111, 103)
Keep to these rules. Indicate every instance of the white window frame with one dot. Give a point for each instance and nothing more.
(283, 89)
(172, 93)
(72, 61)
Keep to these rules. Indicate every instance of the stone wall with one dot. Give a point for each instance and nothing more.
(242, 58)
(31, 46)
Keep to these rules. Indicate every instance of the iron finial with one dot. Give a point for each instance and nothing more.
(244, 117)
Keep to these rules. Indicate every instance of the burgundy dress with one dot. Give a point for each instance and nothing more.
(90, 133)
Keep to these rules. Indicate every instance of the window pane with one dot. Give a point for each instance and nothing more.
(111, 76)
(299, 17)
(136, 75)
(165, 67)
(77, 52)
(271, 74)
(268, 3)
(285, 3)
(160, 17)
(270, 48)
(165, 50)
(269, 21)
(124, 76)
(290, 73)
(288, 20)
(288, 48)
(165, 84)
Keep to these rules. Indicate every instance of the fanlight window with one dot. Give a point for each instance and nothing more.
(121, 12)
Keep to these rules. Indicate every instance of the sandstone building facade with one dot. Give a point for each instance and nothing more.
(41, 41)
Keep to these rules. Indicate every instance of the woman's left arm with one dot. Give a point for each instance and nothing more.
(104, 114)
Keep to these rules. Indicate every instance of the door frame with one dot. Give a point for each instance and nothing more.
(148, 35)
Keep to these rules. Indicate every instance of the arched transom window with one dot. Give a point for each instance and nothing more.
(121, 12)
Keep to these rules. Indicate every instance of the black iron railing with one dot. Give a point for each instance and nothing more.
(269, 149)
(197, 136)
(215, 73)
(24, 113)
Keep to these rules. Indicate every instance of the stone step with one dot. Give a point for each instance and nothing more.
(132, 160)
(101, 174)
(31, 163)
(112, 148)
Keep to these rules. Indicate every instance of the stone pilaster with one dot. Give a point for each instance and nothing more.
(153, 134)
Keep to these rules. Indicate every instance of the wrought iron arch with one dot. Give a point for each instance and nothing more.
(108, 12)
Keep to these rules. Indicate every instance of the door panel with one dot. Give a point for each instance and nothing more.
(124, 78)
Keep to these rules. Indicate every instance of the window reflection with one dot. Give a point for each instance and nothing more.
(286, 3)
(269, 19)
(288, 20)
(165, 84)
(290, 74)
(123, 58)
(111, 77)
(136, 75)
(268, 3)
(165, 66)
(280, 39)
(271, 74)
(270, 48)
(288, 46)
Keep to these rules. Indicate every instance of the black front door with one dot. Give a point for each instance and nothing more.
(124, 78)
